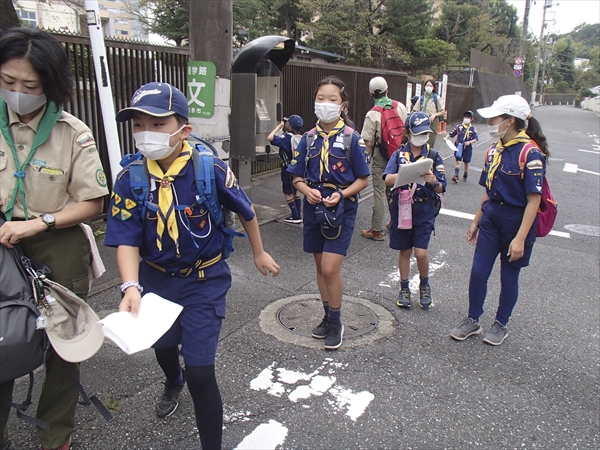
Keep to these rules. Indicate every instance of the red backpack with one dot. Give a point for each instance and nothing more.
(392, 128)
(548, 209)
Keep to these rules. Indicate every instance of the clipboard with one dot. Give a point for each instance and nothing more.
(451, 145)
(413, 172)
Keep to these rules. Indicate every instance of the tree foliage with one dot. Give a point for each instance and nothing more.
(167, 18)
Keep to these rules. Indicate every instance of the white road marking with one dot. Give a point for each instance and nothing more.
(468, 216)
(588, 171)
(393, 279)
(572, 168)
(356, 402)
(590, 151)
(266, 436)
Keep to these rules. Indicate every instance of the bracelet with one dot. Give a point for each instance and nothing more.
(129, 284)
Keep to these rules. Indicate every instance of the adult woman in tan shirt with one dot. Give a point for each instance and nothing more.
(432, 105)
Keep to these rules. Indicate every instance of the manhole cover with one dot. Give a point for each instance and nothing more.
(292, 319)
(588, 230)
(301, 316)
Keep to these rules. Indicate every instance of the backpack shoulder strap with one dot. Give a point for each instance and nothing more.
(204, 168)
(348, 132)
(432, 154)
(435, 101)
(377, 108)
(139, 183)
(524, 154)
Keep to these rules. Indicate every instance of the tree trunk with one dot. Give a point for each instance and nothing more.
(8, 15)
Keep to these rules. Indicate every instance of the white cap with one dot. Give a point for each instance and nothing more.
(378, 84)
(513, 105)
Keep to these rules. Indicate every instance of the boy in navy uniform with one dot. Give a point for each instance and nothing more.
(175, 251)
(287, 143)
(465, 134)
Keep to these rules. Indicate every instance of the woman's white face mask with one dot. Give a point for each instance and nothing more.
(429, 89)
(22, 103)
(494, 133)
(419, 140)
(154, 145)
(328, 112)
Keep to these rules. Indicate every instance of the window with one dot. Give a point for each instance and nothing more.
(123, 32)
(122, 21)
(28, 17)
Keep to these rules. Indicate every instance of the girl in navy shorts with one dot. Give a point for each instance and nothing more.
(329, 166)
(416, 134)
(505, 221)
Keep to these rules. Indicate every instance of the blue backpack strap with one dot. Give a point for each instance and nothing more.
(348, 132)
(139, 183)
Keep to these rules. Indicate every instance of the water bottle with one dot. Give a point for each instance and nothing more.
(405, 202)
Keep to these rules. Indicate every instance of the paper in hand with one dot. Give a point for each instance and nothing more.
(413, 172)
(134, 334)
(450, 145)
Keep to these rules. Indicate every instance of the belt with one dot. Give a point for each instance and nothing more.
(421, 199)
(338, 188)
(199, 265)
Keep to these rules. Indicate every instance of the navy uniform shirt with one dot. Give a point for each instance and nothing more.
(508, 186)
(285, 146)
(405, 156)
(199, 237)
(463, 134)
(341, 171)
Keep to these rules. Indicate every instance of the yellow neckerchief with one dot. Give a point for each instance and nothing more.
(500, 146)
(325, 147)
(466, 128)
(166, 204)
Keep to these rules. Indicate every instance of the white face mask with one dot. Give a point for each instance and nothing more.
(22, 103)
(154, 145)
(327, 112)
(466, 121)
(428, 89)
(494, 133)
(419, 140)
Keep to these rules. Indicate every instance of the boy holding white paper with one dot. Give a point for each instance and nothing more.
(416, 234)
(174, 250)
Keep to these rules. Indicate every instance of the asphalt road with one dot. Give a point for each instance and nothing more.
(411, 386)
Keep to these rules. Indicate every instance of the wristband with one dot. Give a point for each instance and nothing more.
(129, 284)
(435, 185)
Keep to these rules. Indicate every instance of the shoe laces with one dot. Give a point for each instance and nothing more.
(405, 294)
(469, 321)
(497, 328)
(425, 291)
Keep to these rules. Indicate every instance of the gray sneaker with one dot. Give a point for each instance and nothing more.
(169, 401)
(320, 331)
(335, 335)
(468, 328)
(403, 298)
(425, 299)
(497, 334)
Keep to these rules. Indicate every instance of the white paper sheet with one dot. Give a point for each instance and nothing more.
(155, 317)
(451, 145)
(413, 172)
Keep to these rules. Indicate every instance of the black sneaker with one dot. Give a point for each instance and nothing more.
(425, 299)
(335, 334)
(465, 178)
(169, 401)
(293, 219)
(404, 298)
(320, 331)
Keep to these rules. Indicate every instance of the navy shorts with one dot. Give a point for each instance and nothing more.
(498, 227)
(420, 234)
(467, 154)
(316, 242)
(198, 326)
(287, 186)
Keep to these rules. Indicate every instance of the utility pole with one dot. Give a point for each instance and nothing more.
(547, 4)
(211, 41)
(523, 48)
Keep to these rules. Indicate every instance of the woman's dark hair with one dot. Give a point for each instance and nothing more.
(534, 131)
(46, 55)
(332, 79)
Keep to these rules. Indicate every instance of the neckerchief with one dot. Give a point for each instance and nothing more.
(324, 163)
(427, 97)
(466, 128)
(51, 115)
(166, 205)
(500, 146)
(385, 102)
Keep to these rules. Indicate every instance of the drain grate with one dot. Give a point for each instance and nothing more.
(301, 316)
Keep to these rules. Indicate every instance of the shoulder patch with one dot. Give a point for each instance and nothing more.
(130, 204)
(535, 164)
(440, 168)
(114, 211)
(230, 180)
(125, 214)
(101, 177)
(117, 199)
(85, 139)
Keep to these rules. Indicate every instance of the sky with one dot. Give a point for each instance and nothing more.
(562, 17)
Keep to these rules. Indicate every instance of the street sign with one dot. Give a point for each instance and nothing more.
(201, 78)
(517, 73)
(518, 66)
(519, 60)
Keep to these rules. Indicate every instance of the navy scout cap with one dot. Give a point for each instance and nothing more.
(156, 99)
(418, 123)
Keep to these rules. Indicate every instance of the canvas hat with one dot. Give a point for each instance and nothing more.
(513, 105)
(378, 84)
(418, 123)
(73, 327)
(295, 122)
(156, 99)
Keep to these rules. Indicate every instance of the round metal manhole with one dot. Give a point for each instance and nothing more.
(292, 319)
(301, 316)
(587, 230)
